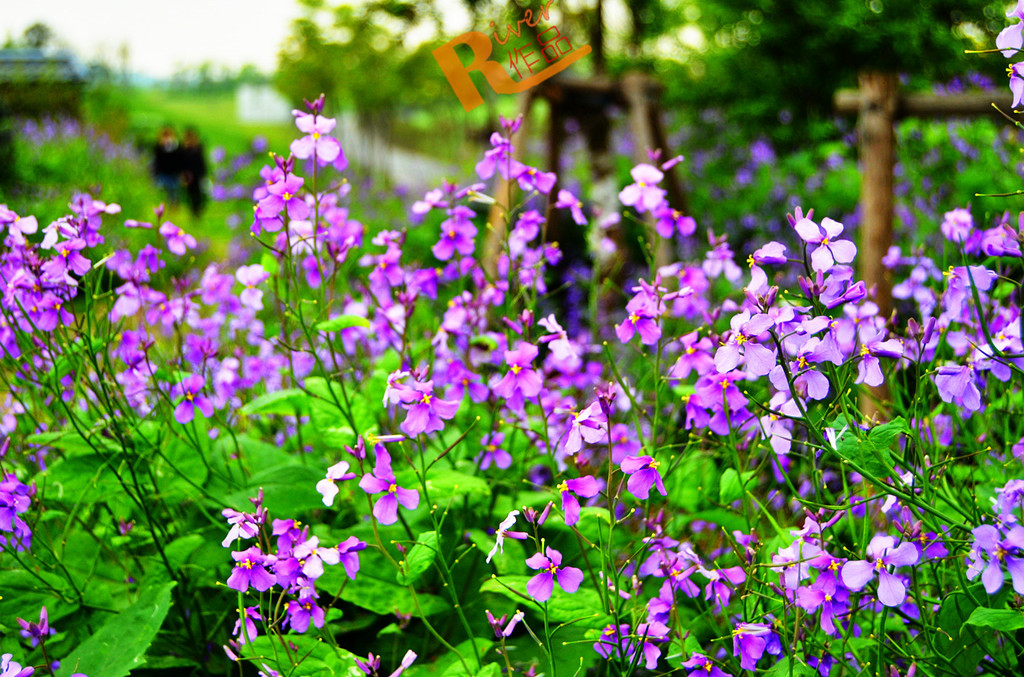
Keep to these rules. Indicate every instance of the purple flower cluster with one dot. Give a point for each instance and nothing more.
(293, 565)
(498, 398)
(15, 501)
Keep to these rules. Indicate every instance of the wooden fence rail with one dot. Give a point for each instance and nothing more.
(879, 104)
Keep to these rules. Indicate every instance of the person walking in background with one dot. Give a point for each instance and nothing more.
(193, 170)
(167, 163)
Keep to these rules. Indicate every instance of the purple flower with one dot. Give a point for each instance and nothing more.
(745, 330)
(520, 381)
(1016, 74)
(642, 313)
(316, 127)
(426, 410)
(191, 391)
(999, 551)
(869, 370)
(644, 195)
(37, 632)
(830, 251)
(696, 356)
(643, 472)
(719, 259)
(502, 533)
(749, 642)
(348, 555)
(302, 612)
(243, 525)
(252, 614)
(542, 585)
(589, 425)
(531, 178)
(718, 587)
(178, 241)
(370, 666)
(619, 641)
(493, 453)
(586, 486)
(8, 668)
(20, 227)
(882, 553)
(327, 487)
(570, 201)
(282, 195)
(311, 558)
(251, 570)
(957, 384)
(407, 661)
(771, 253)
(702, 666)
(497, 158)
(827, 594)
(69, 257)
(1011, 39)
(671, 220)
(499, 625)
(457, 234)
(250, 276)
(957, 225)
(382, 480)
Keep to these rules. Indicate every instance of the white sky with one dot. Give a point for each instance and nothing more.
(162, 35)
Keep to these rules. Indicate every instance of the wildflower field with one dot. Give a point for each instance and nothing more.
(357, 439)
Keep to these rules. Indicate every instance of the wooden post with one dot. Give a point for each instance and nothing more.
(505, 191)
(556, 138)
(634, 87)
(877, 156)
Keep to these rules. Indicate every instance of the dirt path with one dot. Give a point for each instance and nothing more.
(366, 149)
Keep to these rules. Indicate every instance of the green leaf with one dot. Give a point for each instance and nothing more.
(730, 488)
(419, 559)
(325, 403)
(287, 402)
(490, 670)
(446, 483)
(71, 441)
(1000, 619)
(287, 490)
(583, 606)
(319, 658)
(484, 341)
(70, 479)
(872, 453)
(958, 642)
(339, 437)
(120, 645)
(782, 669)
(183, 469)
(451, 666)
(342, 322)
(269, 263)
(24, 594)
(386, 597)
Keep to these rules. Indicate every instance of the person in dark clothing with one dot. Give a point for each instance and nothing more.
(193, 170)
(167, 163)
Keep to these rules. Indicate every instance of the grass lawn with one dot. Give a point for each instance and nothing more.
(213, 114)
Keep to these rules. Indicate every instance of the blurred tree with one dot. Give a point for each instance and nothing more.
(210, 77)
(772, 58)
(360, 60)
(37, 36)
